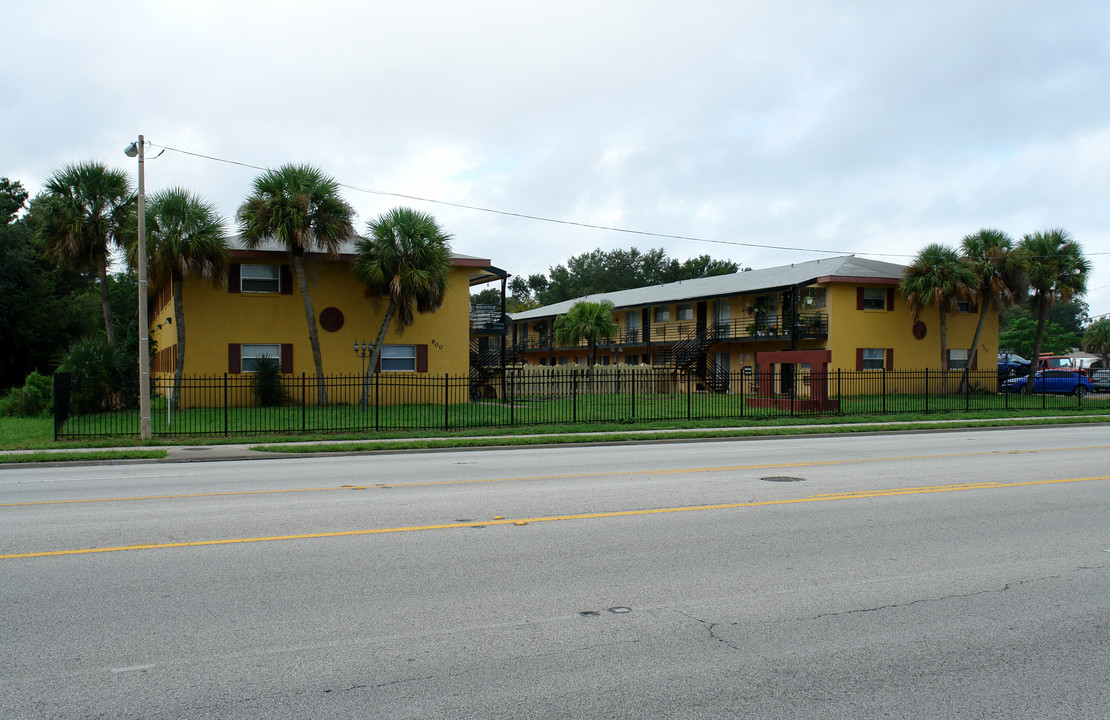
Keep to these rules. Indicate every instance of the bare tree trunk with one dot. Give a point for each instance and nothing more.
(973, 351)
(179, 319)
(376, 354)
(944, 351)
(313, 333)
(1042, 322)
(106, 298)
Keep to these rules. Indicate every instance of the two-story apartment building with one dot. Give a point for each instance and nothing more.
(258, 312)
(847, 305)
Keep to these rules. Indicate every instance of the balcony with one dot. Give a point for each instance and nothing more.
(488, 319)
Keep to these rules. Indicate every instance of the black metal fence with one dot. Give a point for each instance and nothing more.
(233, 405)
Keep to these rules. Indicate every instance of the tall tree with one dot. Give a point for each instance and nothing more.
(1057, 272)
(299, 207)
(999, 278)
(83, 216)
(1097, 339)
(589, 321)
(407, 259)
(938, 278)
(186, 239)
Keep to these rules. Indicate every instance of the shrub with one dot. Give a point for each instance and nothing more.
(31, 400)
(105, 377)
(266, 383)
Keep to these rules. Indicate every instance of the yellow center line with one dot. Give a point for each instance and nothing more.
(890, 492)
(526, 478)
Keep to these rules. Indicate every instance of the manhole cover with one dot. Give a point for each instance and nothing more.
(782, 478)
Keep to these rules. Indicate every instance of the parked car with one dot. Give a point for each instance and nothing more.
(1068, 382)
(1100, 380)
(1059, 362)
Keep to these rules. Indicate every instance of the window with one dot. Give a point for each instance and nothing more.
(631, 359)
(685, 312)
(603, 360)
(874, 299)
(632, 320)
(964, 306)
(251, 354)
(662, 314)
(813, 298)
(564, 361)
(957, 359)
(260, 278)
(398, 358)
(873, 358)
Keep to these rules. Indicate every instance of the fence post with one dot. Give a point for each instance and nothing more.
(377, 400)
(304, 403)
(688, 383)
(884, 389)
(574, 394)
(447, 399)
(632, 389)
(967, 390)
(839, 395)
(926, 391)
(225, 404)
(512, 396)
(61, 401)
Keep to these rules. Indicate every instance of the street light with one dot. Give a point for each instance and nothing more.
(132, 150)
(364, 351)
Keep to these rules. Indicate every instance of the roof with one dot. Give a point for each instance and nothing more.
(482, 271)
(845, 268)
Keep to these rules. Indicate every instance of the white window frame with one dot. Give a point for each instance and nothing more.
(398, 358)
(250, 353)
(874, 299)
(261, 277)
(957, 358)
(874, 358)
(963, 306)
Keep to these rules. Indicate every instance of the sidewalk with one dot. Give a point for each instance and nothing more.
(243, 451)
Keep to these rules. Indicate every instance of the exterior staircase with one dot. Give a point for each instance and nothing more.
(689, 354)
(485, 365)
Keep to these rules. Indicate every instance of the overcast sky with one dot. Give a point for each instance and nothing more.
(780, 131)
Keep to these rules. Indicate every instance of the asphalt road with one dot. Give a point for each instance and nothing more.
(946, 575)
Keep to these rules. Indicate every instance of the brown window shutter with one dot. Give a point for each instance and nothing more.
(859, 358)
(285, 276)
(233, 274)
(890, 299)
(234, 358)
(421, 358)
(889, 359)
(287, 357)
(859, 298)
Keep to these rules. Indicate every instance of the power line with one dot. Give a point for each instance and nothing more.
(571, 223)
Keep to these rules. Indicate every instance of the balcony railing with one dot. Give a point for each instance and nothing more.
(488, 318)
(762, 327)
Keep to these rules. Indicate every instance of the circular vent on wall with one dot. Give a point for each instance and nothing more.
(919, 330)
(331, 319)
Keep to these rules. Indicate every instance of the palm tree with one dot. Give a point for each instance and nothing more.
(300, 207)
(999, 278)
(186, 239)
(589, 321)
(1057, 271)
(407, 259)
(937, 278)
(84, 212)
(1096, 339)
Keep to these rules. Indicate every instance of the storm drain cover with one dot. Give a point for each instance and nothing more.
(782, 478)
